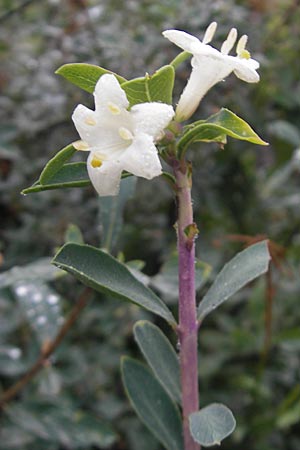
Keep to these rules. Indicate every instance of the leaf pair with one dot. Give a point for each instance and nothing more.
(151, 88)
(154, 395)
(104, 273)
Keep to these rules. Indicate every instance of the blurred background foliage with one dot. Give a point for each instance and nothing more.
(241, 192)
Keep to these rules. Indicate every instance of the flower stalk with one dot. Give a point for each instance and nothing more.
(188, 325)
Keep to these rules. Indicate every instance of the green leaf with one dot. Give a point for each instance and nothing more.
(84, 75)
(73, 234)
(70, 175)
(160, 356)
(243, 268)
(216, 128)
(212, 424)
(111, 213)
(151, 88)
(104, 273)
(152, 404)
(166, 281)
(56, 163)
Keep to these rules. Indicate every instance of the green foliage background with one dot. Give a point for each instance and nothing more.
(77, 401)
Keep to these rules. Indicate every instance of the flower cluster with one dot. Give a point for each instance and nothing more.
(123, 139)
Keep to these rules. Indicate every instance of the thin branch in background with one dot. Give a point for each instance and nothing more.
(48, 350)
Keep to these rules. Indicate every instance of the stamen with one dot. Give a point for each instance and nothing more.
(81, 145)
(113, 108)
(124, 133)
(240, 48)
(89, 120)
(96, 162)
(230, 41)
(209, 33)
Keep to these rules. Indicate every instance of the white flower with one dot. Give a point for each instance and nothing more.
(118, 139)
(211, 66)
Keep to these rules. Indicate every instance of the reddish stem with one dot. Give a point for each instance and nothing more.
(188, 325)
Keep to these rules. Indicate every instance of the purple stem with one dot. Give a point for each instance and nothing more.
(188, 325)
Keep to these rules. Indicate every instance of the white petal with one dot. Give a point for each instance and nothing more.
(82, 118)
(141, 158)
(182, 39)
(105, 179)
(207, 71)
(103, 135)
(151, 118)
(108, 92)
(245, 70)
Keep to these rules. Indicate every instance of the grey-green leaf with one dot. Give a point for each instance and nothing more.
(151, 88)
(152, 404)
(212, 424)
(216, 128)
(243, 268)
(104, 273)
(73, 234)
(84, 75)
(160, 355)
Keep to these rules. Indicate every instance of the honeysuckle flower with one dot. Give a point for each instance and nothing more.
(117, 138)
(211, 65)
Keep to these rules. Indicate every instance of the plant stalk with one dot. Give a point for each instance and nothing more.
(188, 324)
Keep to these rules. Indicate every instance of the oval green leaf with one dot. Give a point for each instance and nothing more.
(55, 163)
(84, 76)
(216, 128)
(151, 88)
(102, 272)
(152, 404)
(70, 175)
(160, 355)
(243, 268)
(212, 424)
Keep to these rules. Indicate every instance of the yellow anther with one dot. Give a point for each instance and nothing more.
(245, 54)
(113, 108)
(209, 33)
(96, 162)
(89, 120)
(125, 134)
(81, 145)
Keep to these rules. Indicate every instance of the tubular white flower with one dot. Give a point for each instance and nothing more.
(211, 65)
(118, 139)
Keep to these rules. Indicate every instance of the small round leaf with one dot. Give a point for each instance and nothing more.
(212, 424)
